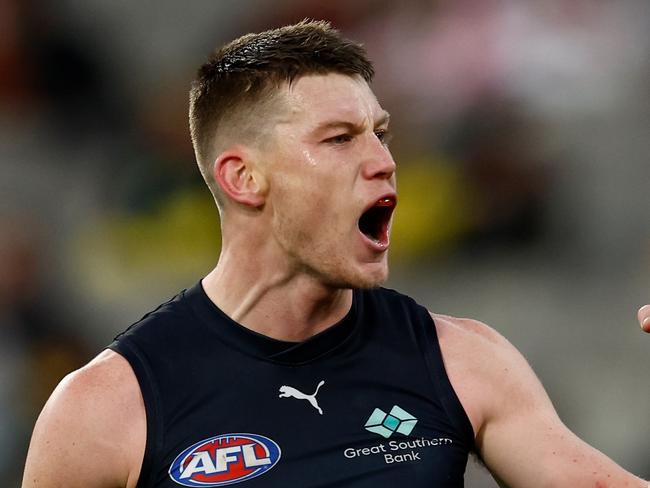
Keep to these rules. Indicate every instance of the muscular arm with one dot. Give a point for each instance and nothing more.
(518, 433)
(91, 432)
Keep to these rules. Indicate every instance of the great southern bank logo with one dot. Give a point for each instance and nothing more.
(385, 424)
(225, 460)
(395, 451)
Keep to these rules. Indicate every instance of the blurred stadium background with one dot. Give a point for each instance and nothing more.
(522, 140)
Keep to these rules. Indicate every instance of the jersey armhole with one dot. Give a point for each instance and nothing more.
(151, 397)
(443, 386)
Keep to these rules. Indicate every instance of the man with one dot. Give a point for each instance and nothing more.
(287, 365)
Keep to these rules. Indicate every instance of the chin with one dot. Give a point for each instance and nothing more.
(336, 271)
(369, 284)
(373, 277)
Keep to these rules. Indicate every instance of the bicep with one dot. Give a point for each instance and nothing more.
(525, 444)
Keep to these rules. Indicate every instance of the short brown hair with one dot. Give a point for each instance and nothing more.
(247, 72)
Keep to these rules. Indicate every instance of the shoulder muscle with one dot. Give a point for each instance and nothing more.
(486, 370)
(91, 432)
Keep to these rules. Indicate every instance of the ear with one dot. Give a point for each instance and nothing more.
(237, 174)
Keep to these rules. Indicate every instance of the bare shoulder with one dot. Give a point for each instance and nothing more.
(107, 374)
(94, 423)
(464, 329)
(476, 343)
(489, 374)
(105, 387)
(475, 346)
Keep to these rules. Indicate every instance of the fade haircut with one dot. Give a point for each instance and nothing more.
(240, 80)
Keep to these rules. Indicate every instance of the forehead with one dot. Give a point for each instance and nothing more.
(315, 99)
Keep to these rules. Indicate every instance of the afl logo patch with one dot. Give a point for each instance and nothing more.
(225, 460)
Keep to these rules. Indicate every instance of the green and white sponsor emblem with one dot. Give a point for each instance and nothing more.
(386, 424)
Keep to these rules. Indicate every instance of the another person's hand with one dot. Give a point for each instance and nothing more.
(644, 318)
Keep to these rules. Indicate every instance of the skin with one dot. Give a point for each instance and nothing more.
(283, 211)
(644, 318)
(294, 205)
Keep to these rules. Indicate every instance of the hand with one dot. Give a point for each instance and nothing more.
(644, 318)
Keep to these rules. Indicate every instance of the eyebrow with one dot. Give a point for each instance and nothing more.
(344, 124)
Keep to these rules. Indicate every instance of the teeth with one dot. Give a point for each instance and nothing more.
(385, 202)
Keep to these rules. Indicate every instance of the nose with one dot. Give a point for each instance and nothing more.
(379, 161)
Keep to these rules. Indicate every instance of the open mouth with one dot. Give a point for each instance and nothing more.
(374, 223)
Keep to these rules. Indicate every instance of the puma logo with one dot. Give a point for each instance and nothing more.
(290, 391)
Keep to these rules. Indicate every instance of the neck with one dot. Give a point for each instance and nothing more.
(273, 300)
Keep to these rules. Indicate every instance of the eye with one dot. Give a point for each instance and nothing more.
(384, 136)
(339, 139)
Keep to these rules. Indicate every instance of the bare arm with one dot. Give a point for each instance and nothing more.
(518, 433)
(91, 432)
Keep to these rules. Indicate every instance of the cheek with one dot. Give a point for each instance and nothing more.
(301, 195)
(310, 202)
(308, 218)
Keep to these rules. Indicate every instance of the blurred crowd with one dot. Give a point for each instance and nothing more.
(522, 135)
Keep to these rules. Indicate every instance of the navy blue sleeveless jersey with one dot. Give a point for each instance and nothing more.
(366, 403)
